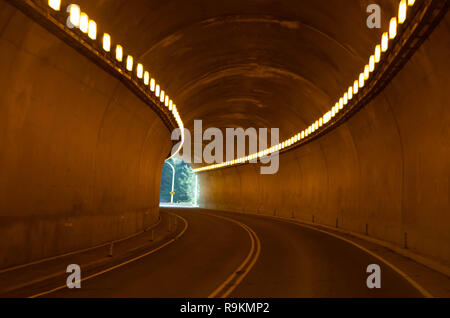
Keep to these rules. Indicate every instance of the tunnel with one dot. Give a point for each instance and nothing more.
(87, 122)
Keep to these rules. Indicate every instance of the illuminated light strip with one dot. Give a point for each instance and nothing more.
(140, 71)
(106, 42)
(374, 59)
(119, 53)
(55, 4)
(28, 6)
(74, 15)
(92, 29)
(84, 22)
(81, 20)
(129, 63)
(402, 8)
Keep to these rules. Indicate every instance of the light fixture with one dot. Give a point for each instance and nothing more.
(146, 78)
(152, 84)
(366, 72)
(106, 42)
(129, 63)
(84, 22)
(170, 105)
(402, 11)
(350, 93)
(166, 101)
(55, 4)
(119, 53)
(393, 28)
(377, 53)
(361, 80)
(372, 63)
(92, 29)
(161, 99)
(384, 42)
(157, 90)
(327, 117)
(140, 70)
(411, 2)
(74, 15)
(355, 87)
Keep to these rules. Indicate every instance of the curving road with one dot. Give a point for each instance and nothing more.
(236, 255)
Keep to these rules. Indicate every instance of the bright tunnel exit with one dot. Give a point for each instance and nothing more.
(179, 184)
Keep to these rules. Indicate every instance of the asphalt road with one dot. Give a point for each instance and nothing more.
(235, 255)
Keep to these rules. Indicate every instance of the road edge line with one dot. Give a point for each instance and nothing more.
(405, 276)
(120, 264)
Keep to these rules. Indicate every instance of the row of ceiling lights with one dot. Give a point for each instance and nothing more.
(340, 104)
(88, 26)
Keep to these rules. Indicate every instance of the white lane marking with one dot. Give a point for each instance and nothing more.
(121, 264)
(422, 290)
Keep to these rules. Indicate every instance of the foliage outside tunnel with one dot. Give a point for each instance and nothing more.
(184, 183)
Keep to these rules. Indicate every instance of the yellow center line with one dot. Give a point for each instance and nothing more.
(236, 278)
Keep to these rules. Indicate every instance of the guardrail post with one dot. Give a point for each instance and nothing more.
(111, 249)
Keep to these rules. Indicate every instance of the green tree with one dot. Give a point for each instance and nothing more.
(184, 182)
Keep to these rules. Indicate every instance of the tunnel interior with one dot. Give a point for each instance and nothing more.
(83, 157)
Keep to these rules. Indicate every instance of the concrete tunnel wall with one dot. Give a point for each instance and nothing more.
(387, 167)
(81, 156)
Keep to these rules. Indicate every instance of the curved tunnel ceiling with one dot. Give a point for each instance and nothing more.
(247, 63)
